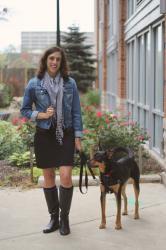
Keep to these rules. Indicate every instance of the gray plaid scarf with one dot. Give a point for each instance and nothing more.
(54, 88)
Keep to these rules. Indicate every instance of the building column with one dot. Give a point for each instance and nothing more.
(97, 42)
(122, 54)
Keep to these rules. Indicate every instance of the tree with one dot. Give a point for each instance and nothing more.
(80, 57)
(3, 60)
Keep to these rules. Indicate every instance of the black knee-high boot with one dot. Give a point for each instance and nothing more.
(51, 196)
(65, 198)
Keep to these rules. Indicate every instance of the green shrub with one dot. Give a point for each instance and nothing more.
(91, 98)
(10, 140)
(21, 160)
(5, 95)
(27, 132)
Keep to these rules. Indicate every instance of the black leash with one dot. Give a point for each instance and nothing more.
(83, 168)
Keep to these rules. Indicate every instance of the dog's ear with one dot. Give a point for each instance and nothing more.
(100, 156)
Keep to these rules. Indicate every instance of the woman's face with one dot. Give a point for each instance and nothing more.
(54, 63)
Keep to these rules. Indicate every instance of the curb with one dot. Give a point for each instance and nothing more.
(163, 178)
(153, 178)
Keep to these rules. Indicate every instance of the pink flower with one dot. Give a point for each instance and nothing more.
(18, 121)
(107, 120)
(15, 121)
(23, 120)
(99, 114)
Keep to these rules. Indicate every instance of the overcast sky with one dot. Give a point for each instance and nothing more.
(39, 15)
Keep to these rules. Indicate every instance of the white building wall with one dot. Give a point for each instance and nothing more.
(144, 35)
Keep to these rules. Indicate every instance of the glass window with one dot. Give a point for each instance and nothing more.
(157, 135)
(147, 67)
(141, 70)
(112, 14)
(158, 68)
(158, 87)
(130, 7)
(130, 71)
(130, 78)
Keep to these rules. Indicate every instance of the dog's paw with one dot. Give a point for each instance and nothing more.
(118, 227)
(102, 226)
(125, 213)
(136, 216)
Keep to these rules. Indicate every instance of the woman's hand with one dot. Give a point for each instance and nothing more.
(78, 144)
(46, 115)
(49, 112)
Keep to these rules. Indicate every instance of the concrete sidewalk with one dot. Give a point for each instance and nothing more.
(23, 214)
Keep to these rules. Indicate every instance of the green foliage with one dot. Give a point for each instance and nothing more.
(92, 97)
(21, 160)
(80, 58)
(3, 60)
(16, 139)
(27, 131)
(37, 172)
(10, 140)
(5, 95)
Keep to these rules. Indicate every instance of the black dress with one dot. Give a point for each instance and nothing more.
(49, 153)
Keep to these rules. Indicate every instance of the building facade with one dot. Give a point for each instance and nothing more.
(131, 63)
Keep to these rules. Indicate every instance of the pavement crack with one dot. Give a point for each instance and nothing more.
(20, 236)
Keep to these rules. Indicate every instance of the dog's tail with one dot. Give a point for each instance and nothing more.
(135, 175)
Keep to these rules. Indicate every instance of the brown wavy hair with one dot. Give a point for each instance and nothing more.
(43, 63)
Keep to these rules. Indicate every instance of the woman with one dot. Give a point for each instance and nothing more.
(58, 132)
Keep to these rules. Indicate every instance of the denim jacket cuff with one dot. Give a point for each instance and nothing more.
(34, 115)
(78, 134)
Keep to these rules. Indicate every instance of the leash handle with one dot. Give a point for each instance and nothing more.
(83, 166)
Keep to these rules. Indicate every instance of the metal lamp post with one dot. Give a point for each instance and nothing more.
(58, 25)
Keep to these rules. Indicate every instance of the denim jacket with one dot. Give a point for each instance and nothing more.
(36, 96)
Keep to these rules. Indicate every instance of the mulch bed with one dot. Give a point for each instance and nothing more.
(14, 177)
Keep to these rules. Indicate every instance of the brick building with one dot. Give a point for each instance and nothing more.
(130, 37)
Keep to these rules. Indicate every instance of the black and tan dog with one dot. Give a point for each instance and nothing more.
(114, 174)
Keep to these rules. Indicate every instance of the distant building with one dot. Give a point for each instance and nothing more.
(38, 41)
(131, 54)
